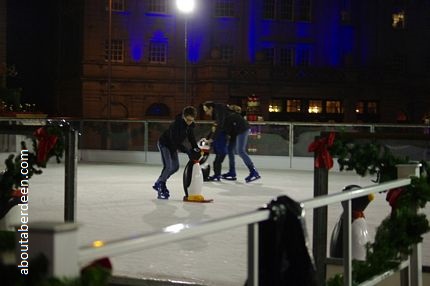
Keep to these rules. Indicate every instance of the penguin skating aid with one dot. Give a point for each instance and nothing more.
(193, 175)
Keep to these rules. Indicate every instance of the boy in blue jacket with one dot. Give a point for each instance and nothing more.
(170, 142)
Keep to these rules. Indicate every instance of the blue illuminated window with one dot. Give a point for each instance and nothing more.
(158, 52)
(224, 8)
(116, 50)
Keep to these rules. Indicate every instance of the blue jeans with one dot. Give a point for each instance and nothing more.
(240, 147)
(170, 162)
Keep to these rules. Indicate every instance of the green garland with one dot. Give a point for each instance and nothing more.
(404, 227)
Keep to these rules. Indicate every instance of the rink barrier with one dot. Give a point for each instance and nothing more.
(48, 237)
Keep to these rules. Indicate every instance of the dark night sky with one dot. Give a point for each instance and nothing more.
(31, 43)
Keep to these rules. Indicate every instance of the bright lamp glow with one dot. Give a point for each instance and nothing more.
(185, 6)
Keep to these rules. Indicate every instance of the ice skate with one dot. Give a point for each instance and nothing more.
(214, 178)
(229, 176)
(163, 192)
(253, 175)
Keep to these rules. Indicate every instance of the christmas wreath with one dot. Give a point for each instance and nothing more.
(48, 141)
(404, 227)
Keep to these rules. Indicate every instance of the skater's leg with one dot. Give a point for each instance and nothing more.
(170, 166)
(242, 140)
(231, 174)
(220, 150)
(170, 163)
(231, 159)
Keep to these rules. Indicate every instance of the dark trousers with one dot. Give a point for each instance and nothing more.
(220, 149)
(170, 163)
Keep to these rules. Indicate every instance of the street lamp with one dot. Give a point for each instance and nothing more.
(186, 7)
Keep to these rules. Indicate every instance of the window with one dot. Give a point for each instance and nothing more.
(158, 52)
(294, 105)
(367, 107)
(303, 57)
(359, 107)
(397, 63)
(333, 106)
(286, 57)
(286, 9)
(224, 8)
(275, 105)
(315, 106)
(227, 53)
(372, 107)
(398, 21)
(157, 6)
(269, 9)
(118, 5)
(117, 51)
(304, 10)
(269, 55)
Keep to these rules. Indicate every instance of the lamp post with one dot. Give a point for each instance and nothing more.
(186, 7)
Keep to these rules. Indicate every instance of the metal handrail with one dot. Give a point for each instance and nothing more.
(170, 233)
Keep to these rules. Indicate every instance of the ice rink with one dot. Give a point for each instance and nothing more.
(117, 201)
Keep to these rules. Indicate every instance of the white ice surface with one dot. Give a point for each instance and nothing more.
(117, 201)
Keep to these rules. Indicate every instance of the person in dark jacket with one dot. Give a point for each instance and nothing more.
(170, 142)
(218, 112)
(237, 128)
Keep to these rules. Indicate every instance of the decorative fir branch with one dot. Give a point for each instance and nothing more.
(404, 227)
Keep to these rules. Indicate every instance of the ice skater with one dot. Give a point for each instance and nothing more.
(217, 137)
(170, 142)
(237, 128)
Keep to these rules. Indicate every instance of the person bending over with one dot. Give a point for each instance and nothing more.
(170, 142)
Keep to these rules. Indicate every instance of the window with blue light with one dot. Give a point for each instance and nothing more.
(224, 8)
(158, 52)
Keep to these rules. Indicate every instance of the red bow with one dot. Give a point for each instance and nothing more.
(46, 143)
(320, 146)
